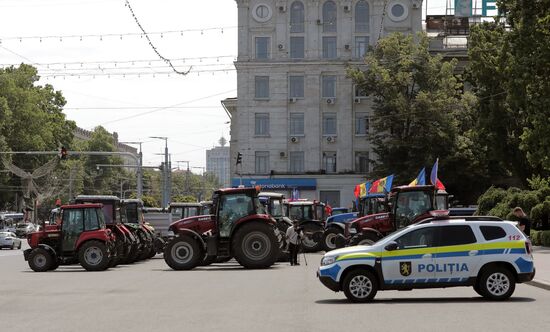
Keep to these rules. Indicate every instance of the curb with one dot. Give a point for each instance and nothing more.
(539, 284)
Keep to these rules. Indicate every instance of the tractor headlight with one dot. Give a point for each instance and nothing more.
(171, 234)
(328, 260)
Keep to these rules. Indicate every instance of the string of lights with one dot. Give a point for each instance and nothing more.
(159, 34)
(179, 72)
(130, 74)
(132, 61)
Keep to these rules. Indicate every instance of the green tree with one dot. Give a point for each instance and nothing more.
(420, 113)
(31, 119)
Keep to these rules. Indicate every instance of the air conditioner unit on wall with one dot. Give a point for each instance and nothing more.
(357, 100)
(331, 139)
(281, 47)
(282, 9)
(416, 4)
(294, 139)
(282, 154)
(293, 100)
(347, 8)
(330, 100)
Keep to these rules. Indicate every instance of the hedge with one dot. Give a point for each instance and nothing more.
(540, 238)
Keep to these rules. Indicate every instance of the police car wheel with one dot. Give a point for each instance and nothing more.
(497, 284)
(360, 286)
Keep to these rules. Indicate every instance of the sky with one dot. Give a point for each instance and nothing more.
(95, 53)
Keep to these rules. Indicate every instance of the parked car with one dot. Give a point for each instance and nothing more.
(9, 240)
(21, 230)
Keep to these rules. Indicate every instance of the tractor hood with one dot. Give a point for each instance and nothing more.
(191, 221)
(372, 220)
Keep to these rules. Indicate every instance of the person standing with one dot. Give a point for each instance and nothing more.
(294, 237)
(524, 222)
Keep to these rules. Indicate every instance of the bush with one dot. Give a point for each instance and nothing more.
(540, 238)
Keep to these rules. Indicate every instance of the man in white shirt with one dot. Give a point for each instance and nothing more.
(294, 237)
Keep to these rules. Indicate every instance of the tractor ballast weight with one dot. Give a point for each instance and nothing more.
(239, 228)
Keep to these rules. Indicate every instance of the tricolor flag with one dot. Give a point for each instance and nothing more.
(382, 185)
(357, 191)
(420, 179)
(433, 176)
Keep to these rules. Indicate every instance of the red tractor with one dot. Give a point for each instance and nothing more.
(238, 227)
(79, 237)
(405, 205)
(128, 247)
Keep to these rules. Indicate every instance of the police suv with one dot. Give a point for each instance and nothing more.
(484, 252)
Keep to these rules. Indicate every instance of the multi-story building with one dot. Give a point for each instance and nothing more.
(298, 121)
(217, 162)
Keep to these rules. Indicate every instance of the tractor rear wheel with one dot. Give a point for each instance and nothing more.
(183, 253)
(329, 238)
(255, 246)
(93, 256)
(40, 260)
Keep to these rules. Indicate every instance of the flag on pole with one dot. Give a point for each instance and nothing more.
(420, 178)
(357, 191)
(433, 176)
(382, 185)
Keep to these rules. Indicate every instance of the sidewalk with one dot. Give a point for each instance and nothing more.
(542, 264)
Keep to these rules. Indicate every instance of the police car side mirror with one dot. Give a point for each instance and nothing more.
(391, 246)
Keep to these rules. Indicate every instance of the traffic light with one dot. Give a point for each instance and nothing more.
(63, 153)
(239, 158)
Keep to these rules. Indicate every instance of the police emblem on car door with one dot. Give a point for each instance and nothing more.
(405, 268)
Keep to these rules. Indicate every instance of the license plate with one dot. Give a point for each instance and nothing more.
(353, 230)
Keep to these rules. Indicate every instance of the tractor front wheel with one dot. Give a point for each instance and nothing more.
(93, 256)
(183, 253)
(255, 246)
(40, 260)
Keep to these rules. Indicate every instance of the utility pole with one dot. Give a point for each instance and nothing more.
(166, 172)
(187, 191)
(203, 190)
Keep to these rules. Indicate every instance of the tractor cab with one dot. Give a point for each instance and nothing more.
(273, 204)
(238, 227)
(410, 204)
(372, 204)
(206, 207)
(131, 215)
(184, 210)
(311, 219)
(81, 237)
(126, 243)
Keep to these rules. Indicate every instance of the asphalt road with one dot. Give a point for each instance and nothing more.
(148, 296)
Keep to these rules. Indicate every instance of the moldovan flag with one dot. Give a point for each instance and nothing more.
(382, 185)
(420, 179)
(433, 176)
(363, 190)
(357, 191)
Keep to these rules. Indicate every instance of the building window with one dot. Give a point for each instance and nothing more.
(328, 86)
(329, 124)
(360, 93)
(261, 124)
(362, 19)
(361, 124)
(329, 47)
(329, 162)
(297, 17)
(262, 162)
(331, 197)
(262, 47)
(296, 124)
(297, 49)
(296, 86)
(261, 87)
(362, 162)
(296, 162)
(329, 17)
(361, 46)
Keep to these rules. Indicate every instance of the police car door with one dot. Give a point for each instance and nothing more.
(412, 261)
(456, 258)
